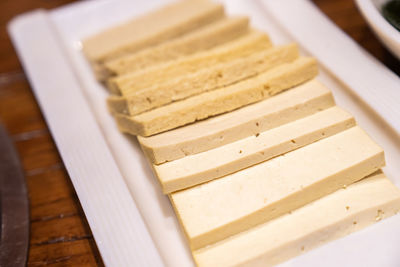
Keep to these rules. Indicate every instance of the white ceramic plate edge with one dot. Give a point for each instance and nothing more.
(385, 31)
(114, 219)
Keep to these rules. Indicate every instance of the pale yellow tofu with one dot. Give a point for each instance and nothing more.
(237, 202)
(204, 38)
(218, 162)
(299, 102)
(331, 217)
(246, 45)
(138, 101)
(153, 28)
(221, 100)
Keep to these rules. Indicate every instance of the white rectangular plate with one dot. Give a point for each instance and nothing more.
(132, 221)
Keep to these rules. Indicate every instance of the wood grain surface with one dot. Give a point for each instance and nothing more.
(60, 235)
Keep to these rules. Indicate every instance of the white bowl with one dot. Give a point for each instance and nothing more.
(389, 35)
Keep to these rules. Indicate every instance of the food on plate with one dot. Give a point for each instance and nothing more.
(218, 162)
(207, 37)
(223, 207)
(221, 75)
(257, 160)
(299, 102)
(243, 46)
(345, 211)
(218, 101)
(151, 29)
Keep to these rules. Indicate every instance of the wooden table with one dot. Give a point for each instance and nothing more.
(60, 234)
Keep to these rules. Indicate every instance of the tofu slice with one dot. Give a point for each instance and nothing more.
(246, 45)
(218, 162)
(237, 202)
(224, 74)
(299, 102)
(153, 28)
(204, 38)
(219, 101)
(331, 217)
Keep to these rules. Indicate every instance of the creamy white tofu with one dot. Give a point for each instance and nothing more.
(331, 217)
(299, 102)
(223, 207)
(243, 46)
(208, 79)
(209, 36)
(153, 28)
(218, 101)
(218, 162)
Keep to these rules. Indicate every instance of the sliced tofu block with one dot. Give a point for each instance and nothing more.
(224, 74)
(151, 29)
(331, 217)
(204, 38)
(299, 102)
(219, 101)
(215, 163)
(223, 207)
(246, 45)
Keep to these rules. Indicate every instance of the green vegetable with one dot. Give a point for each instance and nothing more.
(391, 12)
